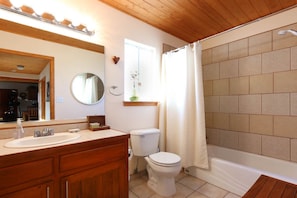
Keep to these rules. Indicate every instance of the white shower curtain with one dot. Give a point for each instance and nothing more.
(182, 116)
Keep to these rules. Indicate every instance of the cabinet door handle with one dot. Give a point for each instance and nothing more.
(47, 192)
(66, 188)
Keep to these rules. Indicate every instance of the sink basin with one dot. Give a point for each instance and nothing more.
(29, 142)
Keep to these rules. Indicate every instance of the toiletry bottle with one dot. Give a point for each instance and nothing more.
(19, 132)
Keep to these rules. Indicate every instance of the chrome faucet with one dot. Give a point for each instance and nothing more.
(37, 133)
(47, 131)
(44, 132)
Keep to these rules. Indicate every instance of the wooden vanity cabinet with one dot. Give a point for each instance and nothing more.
(93, 169)
(102, 181)
(27, 174)
(39, 191)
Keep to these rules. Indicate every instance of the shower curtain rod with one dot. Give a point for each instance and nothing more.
(177, 49)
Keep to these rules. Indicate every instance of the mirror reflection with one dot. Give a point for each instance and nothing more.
(87, 88)
(18, 100)
(23, 79)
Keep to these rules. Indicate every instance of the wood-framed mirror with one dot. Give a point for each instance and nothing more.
(19, 29)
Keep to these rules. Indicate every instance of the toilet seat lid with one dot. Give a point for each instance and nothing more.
(165, 158)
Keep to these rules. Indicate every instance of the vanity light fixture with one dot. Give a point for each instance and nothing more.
(17, 7)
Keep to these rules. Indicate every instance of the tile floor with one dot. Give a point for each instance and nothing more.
(186, 186)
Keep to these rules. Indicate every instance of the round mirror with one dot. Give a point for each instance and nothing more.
(87, 88)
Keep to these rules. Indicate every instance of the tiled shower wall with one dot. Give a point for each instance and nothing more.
(250, 88)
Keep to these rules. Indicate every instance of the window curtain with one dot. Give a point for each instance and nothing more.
(182, 115)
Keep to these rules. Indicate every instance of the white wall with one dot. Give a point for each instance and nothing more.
(111, 27)
(120, 26)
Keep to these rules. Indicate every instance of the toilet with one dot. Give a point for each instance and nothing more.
(162, 167)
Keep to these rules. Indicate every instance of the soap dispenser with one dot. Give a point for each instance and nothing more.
(19, 132)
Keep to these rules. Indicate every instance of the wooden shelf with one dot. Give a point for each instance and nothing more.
(99, 119)
(100, 128)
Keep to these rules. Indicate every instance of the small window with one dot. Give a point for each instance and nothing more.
(141, 72)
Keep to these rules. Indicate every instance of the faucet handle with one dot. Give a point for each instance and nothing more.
(37, 133)
(47, 131)
(51, 131)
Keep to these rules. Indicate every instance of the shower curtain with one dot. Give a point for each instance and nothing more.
(181, 115)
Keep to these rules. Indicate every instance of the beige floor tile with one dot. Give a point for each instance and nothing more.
(142, 191)
(230, 195)
(197, 195)
(137, 179)
(132, 195)
(182, 191)
(180, 176)
(186, 187)
(191, 182)
(212, 191)
(158, 196)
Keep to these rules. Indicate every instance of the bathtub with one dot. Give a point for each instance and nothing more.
(237, 171)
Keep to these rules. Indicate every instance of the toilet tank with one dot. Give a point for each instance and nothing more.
(145, 141)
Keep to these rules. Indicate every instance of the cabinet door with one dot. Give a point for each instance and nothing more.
(40, 191)
(107, 181)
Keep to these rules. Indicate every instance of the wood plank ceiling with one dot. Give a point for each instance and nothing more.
(192, 20)
(9, 62)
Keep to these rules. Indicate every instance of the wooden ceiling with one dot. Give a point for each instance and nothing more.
(9, 60)
(192, 20)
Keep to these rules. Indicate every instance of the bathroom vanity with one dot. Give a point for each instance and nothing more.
(94, 165)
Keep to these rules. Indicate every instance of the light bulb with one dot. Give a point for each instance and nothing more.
(90, 28)
(75, 23)
(58, 17)
(16, 4)
(38, 12)
(38, 8)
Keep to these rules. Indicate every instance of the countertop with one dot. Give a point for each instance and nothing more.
(85, 135)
